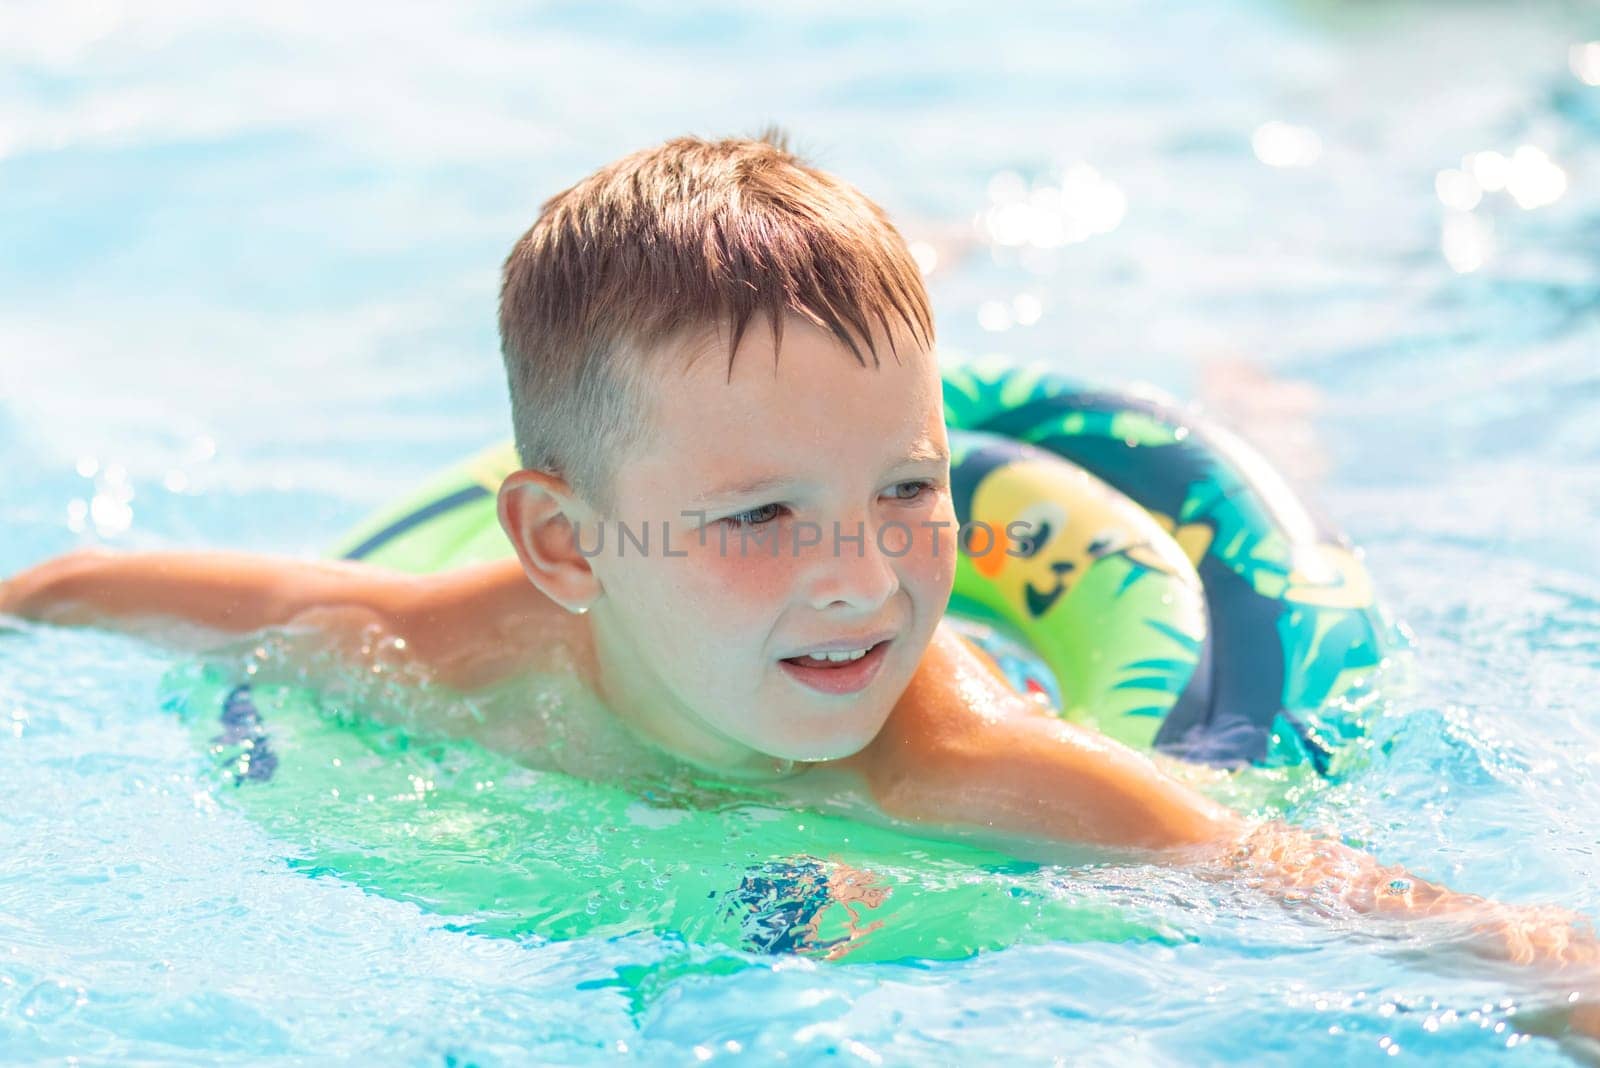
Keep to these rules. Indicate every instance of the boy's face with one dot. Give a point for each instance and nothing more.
(704, 636)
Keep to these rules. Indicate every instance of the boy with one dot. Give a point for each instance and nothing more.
(782, 624)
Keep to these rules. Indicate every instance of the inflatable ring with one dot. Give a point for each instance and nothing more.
(1290, 621)
(1142, 570)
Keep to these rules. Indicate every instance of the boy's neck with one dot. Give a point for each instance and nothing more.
(649, 713)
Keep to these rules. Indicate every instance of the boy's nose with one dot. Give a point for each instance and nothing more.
(854, 571)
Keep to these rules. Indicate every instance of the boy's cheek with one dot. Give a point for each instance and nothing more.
(936, 535)
(749, 574)
(732, 572)
(936, 552)
(936, 564)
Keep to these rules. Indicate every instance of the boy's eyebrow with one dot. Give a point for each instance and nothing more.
(740, 489)
(921, 452)
(927, 451)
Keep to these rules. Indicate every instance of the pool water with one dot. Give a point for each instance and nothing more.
(249, 297)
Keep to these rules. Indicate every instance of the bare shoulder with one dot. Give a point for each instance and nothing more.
(961, 749)
(482, 625)
(468, 629)
(957, 689)
(507, 668)
(956, 699)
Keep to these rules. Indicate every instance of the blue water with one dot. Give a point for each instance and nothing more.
(247, 295)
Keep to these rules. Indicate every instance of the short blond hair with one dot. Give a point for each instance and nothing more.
(664, 246)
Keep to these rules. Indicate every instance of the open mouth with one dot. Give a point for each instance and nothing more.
(835, 673)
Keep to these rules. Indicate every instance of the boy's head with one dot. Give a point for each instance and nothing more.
(729, 501)
(632, 267)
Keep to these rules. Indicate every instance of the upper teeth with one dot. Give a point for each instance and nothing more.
(848, 654)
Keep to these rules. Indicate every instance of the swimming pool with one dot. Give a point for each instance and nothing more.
(250, 297)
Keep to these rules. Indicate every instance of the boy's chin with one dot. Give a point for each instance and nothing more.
(819, 755)
(813, 751)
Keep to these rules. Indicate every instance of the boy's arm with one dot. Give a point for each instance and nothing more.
(214, 592)
(961, 750)
(455, 624)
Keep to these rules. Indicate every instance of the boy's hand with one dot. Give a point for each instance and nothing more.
(1558, 944)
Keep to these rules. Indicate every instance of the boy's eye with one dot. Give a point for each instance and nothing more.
(755, 517)
(910, 491)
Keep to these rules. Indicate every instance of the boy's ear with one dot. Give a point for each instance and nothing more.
(537, 512)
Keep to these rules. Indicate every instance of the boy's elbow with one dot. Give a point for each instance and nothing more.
(1137, 804)
(346, 600)
(423, 622)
